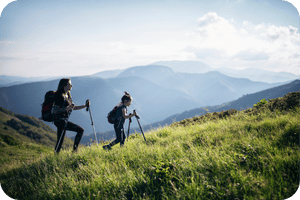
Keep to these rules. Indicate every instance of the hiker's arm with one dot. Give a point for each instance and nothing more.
(79, 107)
(58, 109)
(126, 116)
(87, 104)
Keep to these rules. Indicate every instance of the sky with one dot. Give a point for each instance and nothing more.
(77, 38)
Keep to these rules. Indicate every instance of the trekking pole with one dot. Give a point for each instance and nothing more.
(64, 131)
(128, 128)
(137, 118)
(89, 109)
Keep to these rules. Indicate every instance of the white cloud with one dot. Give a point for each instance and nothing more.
(286, 34)
(215, 31)
(221, 42)
(218, 33)
(205, 53)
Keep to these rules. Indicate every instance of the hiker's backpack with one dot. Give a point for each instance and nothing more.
(47, 114)
(111, 117)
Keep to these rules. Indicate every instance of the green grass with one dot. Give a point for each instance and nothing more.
(251, 154)
(23, 139)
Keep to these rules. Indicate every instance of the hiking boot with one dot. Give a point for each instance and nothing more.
(75, 150)
(107, 147)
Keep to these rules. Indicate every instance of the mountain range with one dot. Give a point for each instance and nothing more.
(253, 74)
(210, 88)
(158, 92)
(192, 67)
(245, 102)
(17, 80)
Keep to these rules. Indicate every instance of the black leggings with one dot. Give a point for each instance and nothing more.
(60, 124)
(120, 134)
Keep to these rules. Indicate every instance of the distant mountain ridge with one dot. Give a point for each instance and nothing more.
(210, 88)
(253, 74)
(186, 66)
(247, 101)
(256, 74)
(17, 80)
(108, 73)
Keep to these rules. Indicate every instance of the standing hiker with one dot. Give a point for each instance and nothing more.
(63, 106)
(120, 117)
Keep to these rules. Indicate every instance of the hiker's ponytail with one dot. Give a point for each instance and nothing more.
(126, 97)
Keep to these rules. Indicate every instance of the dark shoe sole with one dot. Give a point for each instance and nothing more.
(106, 147)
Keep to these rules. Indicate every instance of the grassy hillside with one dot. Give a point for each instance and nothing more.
(250, 154)
(24, 138)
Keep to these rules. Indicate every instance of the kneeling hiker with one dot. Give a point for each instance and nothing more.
(63, 106)
(119, 120)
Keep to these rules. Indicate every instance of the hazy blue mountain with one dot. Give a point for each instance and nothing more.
(11, 80)
(160, 75)
(256, 74)
(253, 74)
(109, 73)
(17, 80)
(151, 100)
(156, 73)
(186, 66)
(210, 88)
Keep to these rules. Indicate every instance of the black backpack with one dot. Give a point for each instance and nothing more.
(111, 117)
(47, 115)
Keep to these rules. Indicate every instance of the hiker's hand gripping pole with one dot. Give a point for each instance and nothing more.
(137, 118)
(87, 103)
